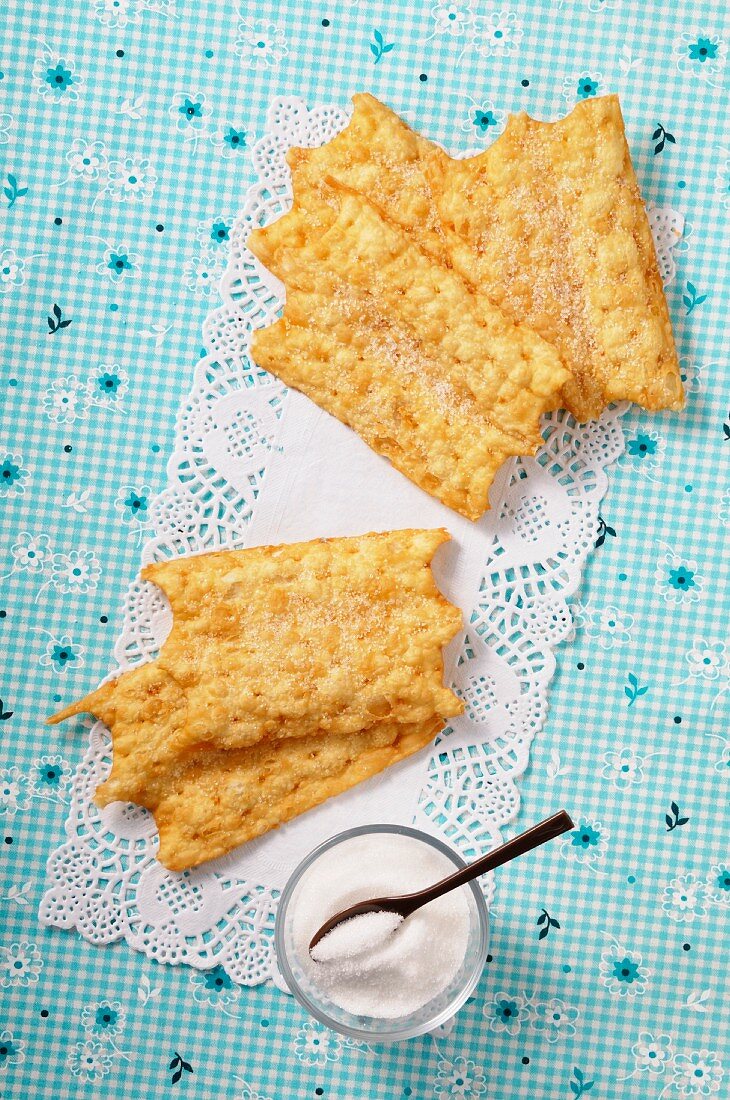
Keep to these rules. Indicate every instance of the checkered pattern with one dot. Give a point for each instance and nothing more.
(629, 48)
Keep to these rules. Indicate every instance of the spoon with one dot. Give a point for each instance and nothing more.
(405, 904)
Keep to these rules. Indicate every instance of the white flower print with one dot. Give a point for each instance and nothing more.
(132, 503)
(644, 451)
(623, 768)
(451, 19)
(677, 579)
(555, 1018)
(214, 987)
(723, 764)
(706, 659)
(652, 1053)
(11, 1050)
(87, 160)
(691, 374)
(262, 45)
(230, 141)
(20, 964)
(717, 885)
(13, 791)
(724, 509)
(118, 263)
(587, 843)
(6, 122)
(119, 13)
(66, 400)
(496, 34)
(506, 1013)
(89, 1061)
(610, 627)
(459, 1078)
(722, 184)
(107, 385)
(78, 571)
(248, 1093)
(583, 85)
(700, 55)
(30, 552)
(683, 899)
(50, 775)
(61, 653)
(315, 1045)
(622, 972)
(11, 270)
(202, 272)
(188, 111)
(104, 1019)
(131, 180)
(55, 77)
(483, 120)
(215, 233)
(697, 1074)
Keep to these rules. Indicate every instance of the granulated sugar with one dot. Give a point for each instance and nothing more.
(373, 968)
(352, 937)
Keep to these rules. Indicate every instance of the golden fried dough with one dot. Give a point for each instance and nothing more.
(209, 806)
(311, 641)
(428, 372)
(548, 222)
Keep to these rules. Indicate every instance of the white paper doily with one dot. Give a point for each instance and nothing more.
(105, 880)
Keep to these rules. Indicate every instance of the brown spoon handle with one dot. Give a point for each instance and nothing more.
(518, 846)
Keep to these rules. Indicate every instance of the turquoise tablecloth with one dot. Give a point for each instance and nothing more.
(625, 978)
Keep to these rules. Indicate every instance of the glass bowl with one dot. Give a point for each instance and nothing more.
(425, 1019)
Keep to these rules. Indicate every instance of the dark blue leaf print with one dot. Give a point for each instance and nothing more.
(674, 820)
(5, 714)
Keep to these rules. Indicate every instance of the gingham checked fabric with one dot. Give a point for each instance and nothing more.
(619, 990)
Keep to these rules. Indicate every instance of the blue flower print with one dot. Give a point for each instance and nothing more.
(555, 1019)
(235, 139)
(50, 774)
(59, 77)
(11, 1050)
(505, 1013)
(723, 880)
(104, 1020)
(108, 385)
(214, 987)
(61, 654)
(587, 87)
(702, 50)
(190, 110)
(681, 579)
(700, 55)
(482, 120)
(586, 844)
(583, 86)
(119, 263)
(12, 475)
(625, 970)
(678, 579)
(220, 232)
(642, 445)
(585, 837)
(55, 77)
(136, 504)
(506, 1010)
(621, 971)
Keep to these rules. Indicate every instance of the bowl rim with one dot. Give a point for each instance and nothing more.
(398, 1032)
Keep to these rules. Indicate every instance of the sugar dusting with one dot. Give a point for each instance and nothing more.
(382, 975)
